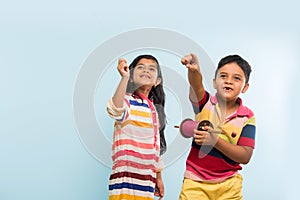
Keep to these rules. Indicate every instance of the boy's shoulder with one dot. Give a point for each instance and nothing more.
(244, 110)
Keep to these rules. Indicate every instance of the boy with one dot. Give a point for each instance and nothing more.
(216, 153)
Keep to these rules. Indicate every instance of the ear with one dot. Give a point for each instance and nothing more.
(158, 81)
(245, 88)
(214, 83)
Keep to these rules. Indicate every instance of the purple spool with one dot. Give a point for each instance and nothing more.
(187, 127)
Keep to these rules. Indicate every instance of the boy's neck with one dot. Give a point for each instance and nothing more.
(227, 107)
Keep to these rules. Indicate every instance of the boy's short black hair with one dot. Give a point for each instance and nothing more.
(244, 65)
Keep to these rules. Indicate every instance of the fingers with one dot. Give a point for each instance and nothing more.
(162, 192)
(211, 130)
(122, 64)
(159, 191)
(194, 58)
(123, 67)
(208, 136)
(187, 59)
(191, 62)
(122, 60)
(200, 136)
(156, 193)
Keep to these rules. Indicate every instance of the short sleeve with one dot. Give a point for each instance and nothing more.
(247, 137)
(197, 106)
(114, 112)
(160, 165)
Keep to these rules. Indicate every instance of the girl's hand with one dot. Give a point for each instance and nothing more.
(191, 62)
(123, 68)
(159, 187)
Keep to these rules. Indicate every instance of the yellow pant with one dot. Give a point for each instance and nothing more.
(231, 189)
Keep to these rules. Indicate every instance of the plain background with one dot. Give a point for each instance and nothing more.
(42, 48)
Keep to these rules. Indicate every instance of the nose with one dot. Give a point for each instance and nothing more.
(228, 80)
(146, 69)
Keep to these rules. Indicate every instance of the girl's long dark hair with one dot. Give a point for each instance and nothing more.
(157, 94)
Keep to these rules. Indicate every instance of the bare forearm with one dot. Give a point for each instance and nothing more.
(239, 154)
(159, 175)
(194, 75)
(159, 187)
(197, 88)
(118, 98)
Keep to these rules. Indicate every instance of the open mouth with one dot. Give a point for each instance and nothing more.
(227, 89)
(145, 76)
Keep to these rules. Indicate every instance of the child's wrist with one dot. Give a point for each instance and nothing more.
(125, 77)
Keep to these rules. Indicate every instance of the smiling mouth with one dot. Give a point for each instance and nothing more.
(227, 89)
(145, 76)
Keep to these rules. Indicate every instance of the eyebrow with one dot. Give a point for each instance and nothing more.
(144, 65)
(239, 75)
(233, 74)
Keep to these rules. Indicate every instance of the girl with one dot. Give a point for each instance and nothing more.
(138, 141)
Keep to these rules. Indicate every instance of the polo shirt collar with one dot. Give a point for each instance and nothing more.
(241, 111)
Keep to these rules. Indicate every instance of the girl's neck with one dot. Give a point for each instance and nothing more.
(145, 92)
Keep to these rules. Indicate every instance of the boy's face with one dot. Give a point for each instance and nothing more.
(230, 82)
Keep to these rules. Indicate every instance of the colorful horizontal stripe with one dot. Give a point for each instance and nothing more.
(135, 151)
(128, 197)
(132, 142)
(206, 162)
(131, 186)
(140, 113)
(135, 102)
(139, 124)
(134, 154)
(133, 164)
(132, 175)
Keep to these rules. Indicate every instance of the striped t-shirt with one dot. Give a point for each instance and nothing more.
(206, 163)
(135, 149)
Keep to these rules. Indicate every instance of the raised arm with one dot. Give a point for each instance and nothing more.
(118, 98)
(195, 77)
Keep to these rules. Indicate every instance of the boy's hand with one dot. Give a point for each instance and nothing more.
(123, 68)
(191, 62)
(206, 137)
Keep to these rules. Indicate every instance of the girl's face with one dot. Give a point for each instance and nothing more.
(230, 82)
(145, 74)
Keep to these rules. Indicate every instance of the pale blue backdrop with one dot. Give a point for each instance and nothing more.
(43, 45)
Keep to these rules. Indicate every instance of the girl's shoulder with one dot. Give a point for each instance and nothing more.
(137, 101)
